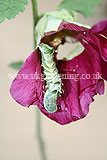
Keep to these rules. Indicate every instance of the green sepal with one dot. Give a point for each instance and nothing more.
(52, 20)
(65, 15)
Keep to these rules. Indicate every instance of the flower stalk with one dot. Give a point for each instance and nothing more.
(35, 18)
(39, 126)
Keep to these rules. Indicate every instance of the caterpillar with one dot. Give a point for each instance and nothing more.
(53, 80)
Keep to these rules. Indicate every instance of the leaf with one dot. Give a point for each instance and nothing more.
(85, 7)
(16, 65)
(10, 8)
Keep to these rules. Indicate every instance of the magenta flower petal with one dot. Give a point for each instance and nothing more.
(98, 41)
(69, 26)
(25, 89)
(104, 70)
(100, 28)
(103, 46)
(68, 103)
(86, 72)
(78, 90)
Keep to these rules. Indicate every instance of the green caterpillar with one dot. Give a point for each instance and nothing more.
(53, 80)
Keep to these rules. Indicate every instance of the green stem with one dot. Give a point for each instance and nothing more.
(35, 18)
(39, 128)
(35, 12)
(39, 135)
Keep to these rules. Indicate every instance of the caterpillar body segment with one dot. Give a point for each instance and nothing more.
(53, 80)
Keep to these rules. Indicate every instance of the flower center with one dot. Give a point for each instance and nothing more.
(56, 42)
(67, 38)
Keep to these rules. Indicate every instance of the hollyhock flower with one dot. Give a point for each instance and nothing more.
(78, 90)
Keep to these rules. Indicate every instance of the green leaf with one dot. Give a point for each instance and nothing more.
(16, 65)
(85, 7)
(10, 8)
